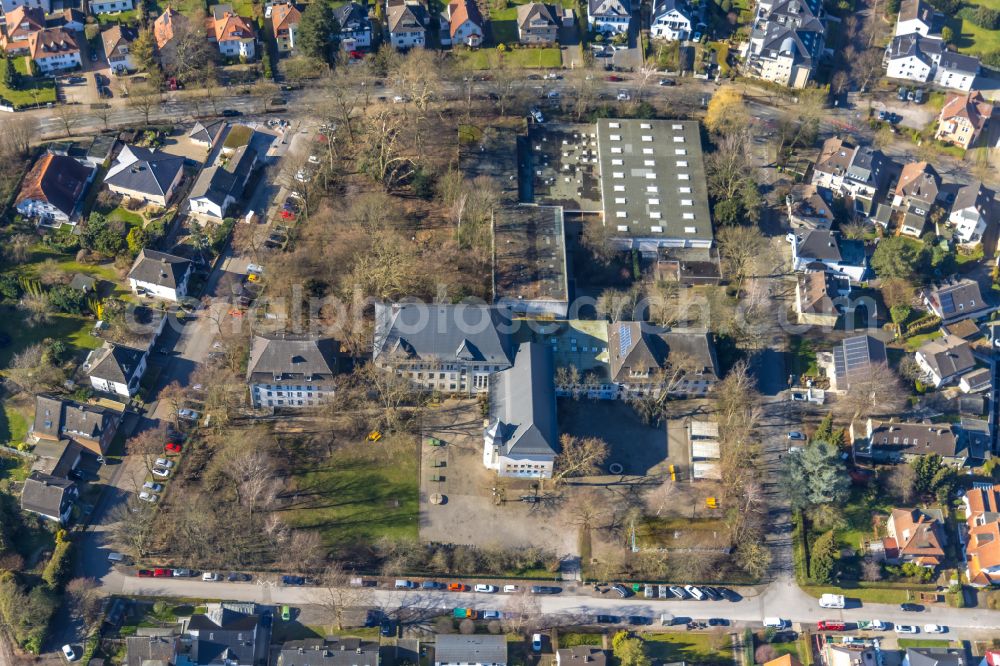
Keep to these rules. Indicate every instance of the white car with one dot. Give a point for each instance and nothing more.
(148, 497)
(164, 463)
(188, 414)
(694, 592)
(489, 589)
(69, 652)
(509, 589)
(302, 176)
(537, 116)
(879, 625)
(398, 99)
(934, 629)
(153, 486)
(313, 159)
(210, 577)
(906, 629)
(160, 472)
(623, 96)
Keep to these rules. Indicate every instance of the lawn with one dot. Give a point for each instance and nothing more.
(803, 357)
(921, 643)
(569, 640)
(523, 58)
(40, 90)
(914, 343)
(124, 215)
(13, 425)
(874, 595)
(70, 328)
(362, 492)
(691, 648)
(970, 38)
(122, 18)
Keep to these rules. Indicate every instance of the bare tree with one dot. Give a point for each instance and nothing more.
(871, 570)
(873, 391)
(901, 482)
(148, 445)
(17, 132)
(173, 395)
(144, 98)
(68, 116)
(381, 156)
(30, 370)
(86, 601)
(523, 612)
(337, 595)
(741, 248)
(618, 304)
(253, 474)
(132, 529)
(580, 456)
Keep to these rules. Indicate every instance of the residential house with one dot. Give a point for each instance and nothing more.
(470, 650)
(329, 651)
(581, 655)
(916, 192)
(355, 26)
(221, 185)
(146, 175)
(892, 442)
(116, 369)
(863, 653)
(538, 23)
(820, 298)
(945, 359)
(285, 18)
(465, 23)
(975, 381)
(915, 535)
(858, 359)
(808, 207)
(153, 648)
(972, 212)
(446, 348)
(54, 49)
(52, 192)
(70, 19)
(957, 71)
(7, 6)
(648, 361)
(849, 170)
(49, 496)
(90, 426)
(233, 34)
(407, 25)
(829, 251)
(159, 275)
(671, 20)
(207, 134)
(117, 42)
(522, 439)
(933, 657)
(786, 41)
(21, 22)
(609, 16)
(982, 545)
(963, 118)
(913, 57)
(915, 16)
(167, 29)
(952, 301)
(110, 6)
(291, 371)
(229, 634)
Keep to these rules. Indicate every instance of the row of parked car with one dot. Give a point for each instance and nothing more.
(208, 576)
(484, 588)
(698, 593)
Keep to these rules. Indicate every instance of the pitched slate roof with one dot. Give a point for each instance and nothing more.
(406, 18)
(116, 363)
(534, 11)
(285, 15)
(220, 181)
(973, 195)
(224, 636)
(584, 655)
(465, 332)
(916, 9)
(159, 268)
(331, 651)
(114, 36)
(143, 170)
(611, 8)
(920, 181)
(523, 405)
(948, 356)
(634, 350)
(817, 290)
(959, 62)
(916, 438)
(352, 16)
(473, 649)
(958, 298)
(825, 245)
(56, 418)
(935, 657)
(56, 179)
(290, 358)
(917, 46)
(207, 133)
(158, 648)
(43, 493)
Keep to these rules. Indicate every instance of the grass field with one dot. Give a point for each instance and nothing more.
(362, 492)
(914, 343)
(13, 425)
(73, 329)
(524, 58)
(690, 648)
(126, 216)
(41, 91)
(876, 595)
(925, 643)
(970, 38)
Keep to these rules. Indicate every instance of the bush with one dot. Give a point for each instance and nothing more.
(60, 566)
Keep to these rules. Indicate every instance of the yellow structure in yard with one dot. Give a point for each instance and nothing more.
(373, 436)
(712, 503)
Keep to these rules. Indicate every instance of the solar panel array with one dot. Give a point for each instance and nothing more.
(947, 302)
(624, 339)
(856, 353)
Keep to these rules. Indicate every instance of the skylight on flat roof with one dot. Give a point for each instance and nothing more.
(690, 230)
(614, 125)
(688, 216)
(655, 214)
(616, 137)
(654, 202)
(682, 163)
(687, 202)
(621, 213)
(616, 150)
(617, 162)
(622, 227)
(649, 163)
(619, 200)
(683, 176)
(680, 151)
(653, 189)
(619, 188)
(647, 151)
(618, 174)
(684, 190)
(656, 229)
(678, 139)
(648, 138)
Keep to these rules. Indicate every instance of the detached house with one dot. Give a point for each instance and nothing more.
(982, 547)
(229, 634)
(916, 536)
(233, 34)
(145, 175)
(671, 21)
(160, 275)
(847, 170)
(609, 16)
(110, 6)
(355, 26)
(820, 298)
(446, 348)
(166, 30)
(291, 371)
(963, 118)
(916, 192)
(915, 16)
(407, 25)
(57, 419)
(522, 439)
(944, 360)
(786, 41)
(955, 300)
(465, 24)
(21, 22)
(117, 42)
(827, 250)
(285, 19)
(809, 207)
(54, 49)
(116, 369)
(856, 360)
(538, 23)
(971, 212)
(222, 184)
(956, 71)
(51, 497)
(680, 361)
(52, 192)
(913, 57)
(892, 442)
(207, 134)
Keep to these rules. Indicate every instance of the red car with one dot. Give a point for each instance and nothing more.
(615, 78)
(163, 573)
(831, 625)
(173, 447)
(357, 55)
(144, 573)
(287, 215)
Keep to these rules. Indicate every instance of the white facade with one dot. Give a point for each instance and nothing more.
(159, 291)
(116, 387)
(56, 61)
(670, 23)
(468, 34)
(302, 395)
(209, 208)
(238, 48)
(969, 224)
(534, 467)
(914, 25)
(910, 68)
(46, 214)
(355, 40)
(10, 5)
(954, 79)
(408, 39)
(111, 6)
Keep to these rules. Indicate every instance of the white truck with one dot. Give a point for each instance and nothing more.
(831, 601)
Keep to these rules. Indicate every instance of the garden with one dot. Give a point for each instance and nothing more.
(19, 88)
